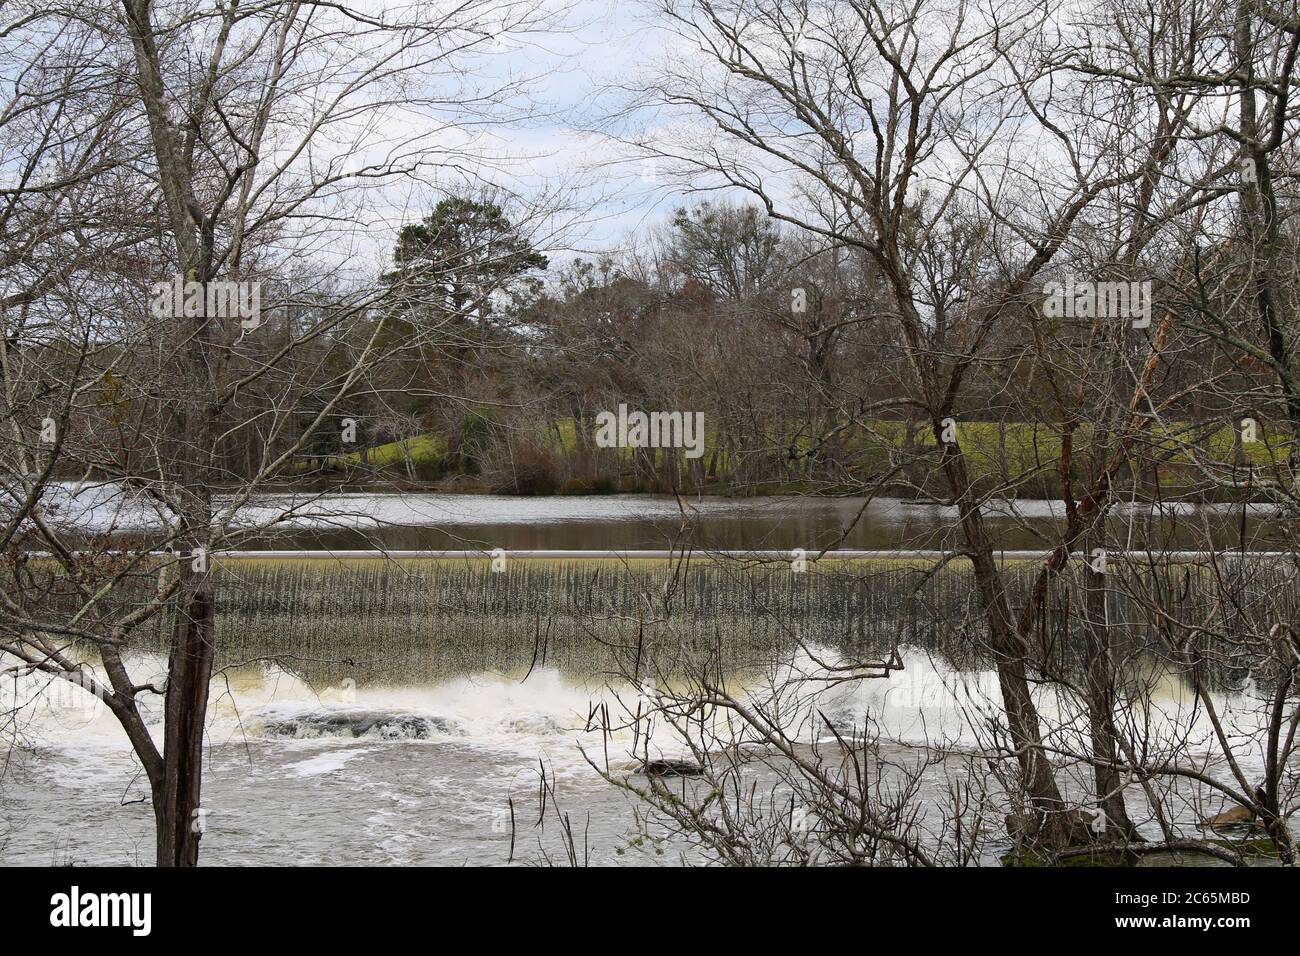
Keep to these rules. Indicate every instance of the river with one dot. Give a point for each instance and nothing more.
(399, 736)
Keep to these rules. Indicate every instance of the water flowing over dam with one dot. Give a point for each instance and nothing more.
(411, 729)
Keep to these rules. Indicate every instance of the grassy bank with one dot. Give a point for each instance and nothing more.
(1020, 457)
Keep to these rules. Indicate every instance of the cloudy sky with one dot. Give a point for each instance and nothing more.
(559, 146)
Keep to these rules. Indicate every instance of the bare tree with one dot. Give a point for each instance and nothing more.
(921, 145)
(251, 139)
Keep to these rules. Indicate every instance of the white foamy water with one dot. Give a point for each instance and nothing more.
(425, 773)
(405, 774)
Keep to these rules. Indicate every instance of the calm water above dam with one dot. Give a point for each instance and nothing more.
(617, 522)
(424, 521)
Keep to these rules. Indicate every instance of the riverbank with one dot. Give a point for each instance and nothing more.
(1186, 461)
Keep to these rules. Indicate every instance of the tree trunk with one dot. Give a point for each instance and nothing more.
(1050, 826)
(177, 811)
(1099, 668)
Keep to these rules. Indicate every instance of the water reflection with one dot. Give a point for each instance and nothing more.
(627, 522)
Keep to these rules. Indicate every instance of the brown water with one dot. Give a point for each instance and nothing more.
(628, 522)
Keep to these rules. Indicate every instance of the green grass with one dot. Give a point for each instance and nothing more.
(420, 450)
(1023, 445)
(992, 449)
